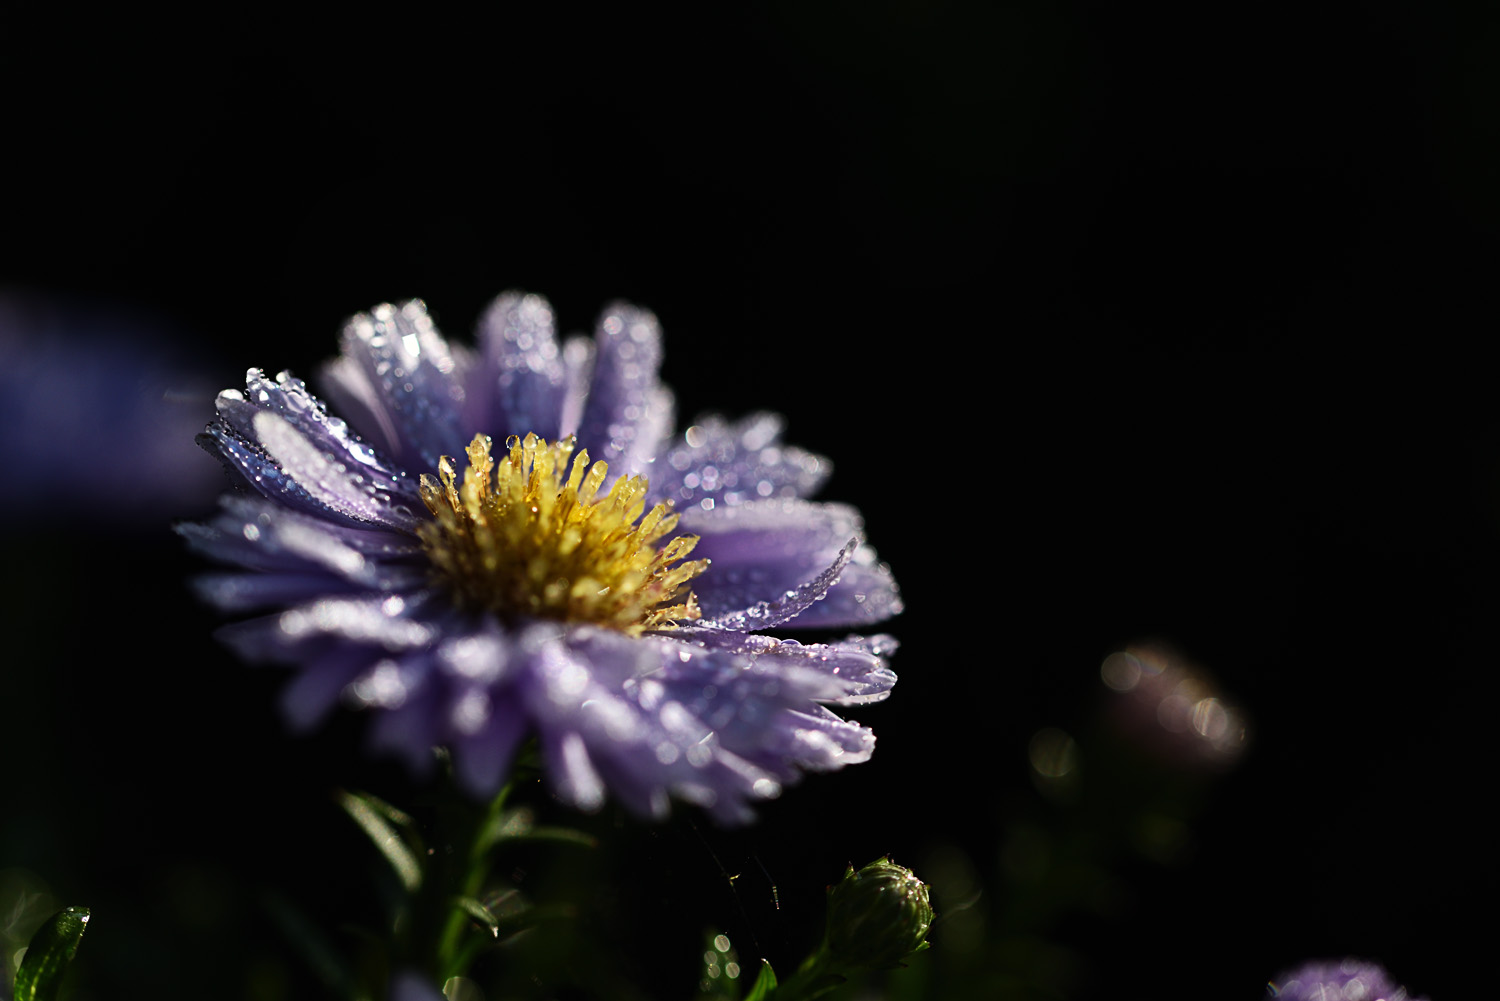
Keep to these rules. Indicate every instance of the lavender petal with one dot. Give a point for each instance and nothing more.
(761, 550)
(661, 717)
(410, 729)
(736, 463)
(520, 384)
(377, 489)
(858, 662)
(416, 380)
(765, 614)
(314, 692)
(865, 594)
(260, 535)
(482, 759)
(372, 621)
(627, 413)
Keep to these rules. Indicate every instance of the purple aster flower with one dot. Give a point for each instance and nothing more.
(477, 593)
(1337, 980)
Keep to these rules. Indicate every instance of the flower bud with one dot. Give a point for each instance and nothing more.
(877, 917)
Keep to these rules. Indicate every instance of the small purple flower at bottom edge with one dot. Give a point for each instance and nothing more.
(1338, 980)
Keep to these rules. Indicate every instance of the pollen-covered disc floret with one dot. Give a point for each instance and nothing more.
(517, 539)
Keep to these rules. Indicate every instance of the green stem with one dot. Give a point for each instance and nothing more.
(817, 975)
(451, 960)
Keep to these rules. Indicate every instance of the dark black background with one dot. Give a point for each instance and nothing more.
(1118, 323)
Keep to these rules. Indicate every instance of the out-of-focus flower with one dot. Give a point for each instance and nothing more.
(535, 592)
(1172, 710)
(96, 417)
(408, 985)
(1337, 980)
(877, 917)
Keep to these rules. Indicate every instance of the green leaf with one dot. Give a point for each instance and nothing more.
(560, 835)
(519, 825)
(376, 818)
(48, 955)
(501, 915)
(480, 913)
(764, 984)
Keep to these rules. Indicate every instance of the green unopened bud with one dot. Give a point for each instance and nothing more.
(877, 917)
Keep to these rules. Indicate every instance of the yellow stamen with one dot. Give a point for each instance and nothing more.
(516, 539)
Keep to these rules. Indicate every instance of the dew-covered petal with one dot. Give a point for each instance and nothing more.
(732, 463)
(865, 594)
(459, 693)
(817, 739)
(249, 461)
(762, 549)
(284, 465)
(578, 371)
(595, 732)
(765, 614)
(288, 397)
(628, 413)
(301, 550)
(656, 718)
(857, 665)
(520, 383)
(759, 551)
(407, 381)
(348, 387)
(348, 478)
(380, 622)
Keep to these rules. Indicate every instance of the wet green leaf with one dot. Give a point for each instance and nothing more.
(519, 825)
(562, 835)
(764, 984)
(47, 957)
(480, 913)
(380, 820)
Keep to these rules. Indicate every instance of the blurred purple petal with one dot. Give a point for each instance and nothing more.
(1338, 980)
(523, 375)
(92, 406)
(411, 380)
(736, 463)
(628, 413)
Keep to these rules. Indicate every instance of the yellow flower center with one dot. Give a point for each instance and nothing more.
(518, 540)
